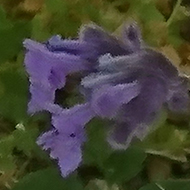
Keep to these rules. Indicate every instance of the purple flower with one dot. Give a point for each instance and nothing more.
(122, 80)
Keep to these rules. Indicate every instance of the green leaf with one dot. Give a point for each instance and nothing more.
(151, 187)
(7, 163)
(14, 95)
(146, 11)
(123, 165)
(91, 12)
(55, 5)
(48, 179)
(6, 146)
(11, 40)
(39, 32)
(21, 138)
(96, 149)
(175, 185)
(174, 36)
(100, 185)
(167, 141)
(65, 17)
(179, 14)
(6, 159)
(111, 19)
(25, 139)
(3, 20)
(168, 185)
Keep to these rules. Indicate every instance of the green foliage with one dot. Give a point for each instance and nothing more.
(13, 95)
(168, 141)
(168, 185)
(39, 32)
(174, 23)
(151, 187)
(174, 34)
(11, 40)
(96, 149)
(48, 179)
(146, 10)
(12, 34)
(100, 185)
(23, 139)
(175, 185)
(4, 22)
(6, 158)
(123, 165)
(66, 17)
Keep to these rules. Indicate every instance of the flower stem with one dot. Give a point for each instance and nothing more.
(172, 16)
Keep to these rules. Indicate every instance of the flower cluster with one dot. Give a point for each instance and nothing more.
(122, 80)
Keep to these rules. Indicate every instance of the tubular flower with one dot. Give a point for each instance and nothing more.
(122, 80)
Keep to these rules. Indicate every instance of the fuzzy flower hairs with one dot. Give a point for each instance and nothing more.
(121, 81)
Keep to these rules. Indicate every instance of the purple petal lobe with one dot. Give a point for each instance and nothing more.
(41, 98)
(147, 61)
(132, 37)
(47, 72)
(75, 47)
(150, 100)
(86, 51)
(64, 148)
(95, 80)
(121, 135)
(178, 99)
(134, 118)
(39, 60)
(73, 118)
(102, 41)
(108, 99)
(67, 137)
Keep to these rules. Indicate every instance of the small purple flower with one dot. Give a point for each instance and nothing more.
(122, 80)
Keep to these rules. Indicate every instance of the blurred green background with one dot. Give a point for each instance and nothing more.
(160, 162)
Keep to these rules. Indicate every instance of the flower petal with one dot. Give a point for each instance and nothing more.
(107, 100)
(84, 50)
(147, 60)
(47, 72)
(69, 120)
(150, 100)
(132, 37)
(43, 65)
(102, 41)
(121, 135)
(41, 98)
(95, 80)
(65, 149)
(179, 99)
(134, 118)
